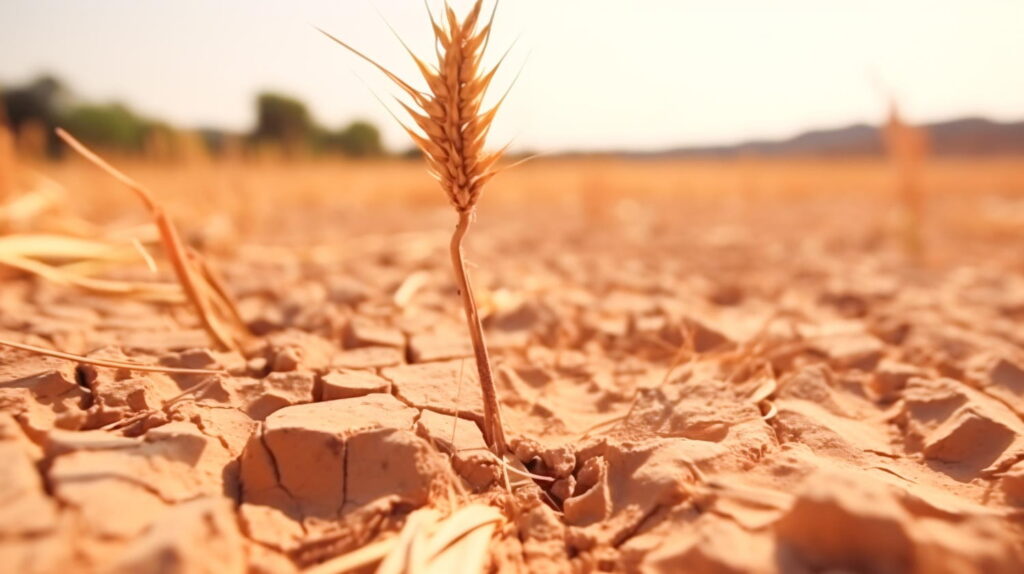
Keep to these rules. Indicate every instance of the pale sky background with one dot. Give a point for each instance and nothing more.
(596, 74)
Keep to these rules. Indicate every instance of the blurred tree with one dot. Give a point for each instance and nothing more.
(38, 104)
(161, 142)
(111, 126)
(359, 139)
(284, 121)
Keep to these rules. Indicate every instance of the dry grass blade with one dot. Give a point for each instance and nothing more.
(355, 560)
(112, 364)
(209, 300)
(408, 289)
(27, 252)
(427, 544)
(219, 294)
(461, 543)
(451, 128)
(155, 292)
(165, 407)
(459, 524)
(404, 556)
(8, 164)
(21, 208)
(50, 246)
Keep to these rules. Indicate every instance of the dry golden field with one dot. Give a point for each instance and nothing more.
(704, 366)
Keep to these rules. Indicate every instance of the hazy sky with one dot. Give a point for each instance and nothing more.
(596, 74)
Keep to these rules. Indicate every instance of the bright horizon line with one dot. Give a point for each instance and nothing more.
(596, 74)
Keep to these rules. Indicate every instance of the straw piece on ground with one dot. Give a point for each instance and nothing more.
(109, 363)
(225, 331)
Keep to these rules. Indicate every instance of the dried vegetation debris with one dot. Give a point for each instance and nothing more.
(833, 424)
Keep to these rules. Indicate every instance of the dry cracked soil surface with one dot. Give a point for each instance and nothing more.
(706, 388)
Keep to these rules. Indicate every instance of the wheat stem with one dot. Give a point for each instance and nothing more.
(450, 126)
(494, 432)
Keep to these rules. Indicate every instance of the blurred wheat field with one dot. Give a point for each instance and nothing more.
(273, 200)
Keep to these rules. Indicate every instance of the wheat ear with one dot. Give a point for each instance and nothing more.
(453, 127)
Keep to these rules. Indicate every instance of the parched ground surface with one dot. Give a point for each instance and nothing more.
(711, 385)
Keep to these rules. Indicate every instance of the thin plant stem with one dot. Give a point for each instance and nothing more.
(494, 431)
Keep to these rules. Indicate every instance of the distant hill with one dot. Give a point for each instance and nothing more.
(967, 136)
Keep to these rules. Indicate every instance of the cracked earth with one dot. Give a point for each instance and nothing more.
(705, 387)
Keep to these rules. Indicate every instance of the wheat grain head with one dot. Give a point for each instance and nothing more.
(453, 122)
(454, 128)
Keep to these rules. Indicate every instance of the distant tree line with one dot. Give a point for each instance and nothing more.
(284, 125)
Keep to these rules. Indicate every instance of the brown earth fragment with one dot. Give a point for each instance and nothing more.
(394, 464)
(198, 536)
(231, 427)
(705, 336)
(963, 428)
(890, 378)
(845, 522)
(851, 351)
(259, 398)
(40, 391)
(299, 460)
(115, 399)
(347, 384)
(368, 358)
(293, 350)
(118, 492)
(25, 508)
(629, 483)
(543, 542)
(713, 544)
(448, 387)
(470, 456)
(363, 333)
(851, 521)
(346, 290)
(439, 346)
(1005, 381)
(1013, 483)
(161, 341)
(968, 437)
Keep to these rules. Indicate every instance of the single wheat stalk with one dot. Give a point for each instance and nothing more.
(906, 147)
(454, 128)
(8, 163)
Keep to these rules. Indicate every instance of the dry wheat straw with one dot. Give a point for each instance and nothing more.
(108, 363)
(454, 127)
(428, 543)
(8, 165)
(216, 309)
(906, 146)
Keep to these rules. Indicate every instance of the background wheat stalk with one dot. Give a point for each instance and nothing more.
(907, 147)
(454, 128)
